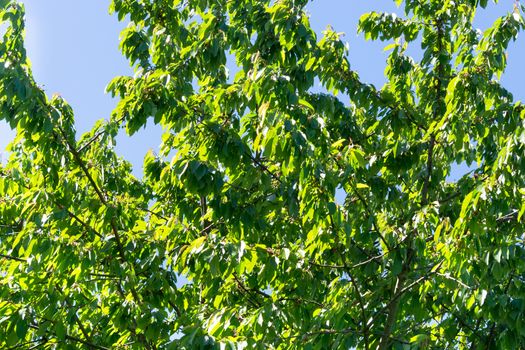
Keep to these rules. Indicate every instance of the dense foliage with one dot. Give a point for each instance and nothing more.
(233, 238)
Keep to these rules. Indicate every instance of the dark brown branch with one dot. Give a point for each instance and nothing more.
(493, 328)
(313, 263)
(77, 320)
(366, 329)
(391, 309)
(120, 248)
(72, 338)
(473, 344)
(88, 344)
(399, 293)
(393, 304)
(341, 331)
(96, 136)
(396, 108)
(160, 216)
(300, 300)
(14, 258)
(175, 307)
(247, 292)
(264, 167)
(461, 320)
(99, 193)
(201, 233)
(80, 221)
(81, 164)
(399, 287)
(20, 345)
(513, 215)
(206, 225)
(430, 159)
(370, 214)
(364, 262)
(93, 139)
(39, 345)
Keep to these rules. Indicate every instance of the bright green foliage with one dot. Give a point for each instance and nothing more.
(241, 200)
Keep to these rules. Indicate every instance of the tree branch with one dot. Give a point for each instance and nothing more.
(99, 193)
(14, 258)
(399, 288)
(370, 214)
(96, 136)
(80, 221)
(493, 328)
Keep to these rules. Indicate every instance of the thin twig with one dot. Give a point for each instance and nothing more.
(96, 136)
(9, 257)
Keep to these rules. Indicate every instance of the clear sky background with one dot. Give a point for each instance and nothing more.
(73, 47)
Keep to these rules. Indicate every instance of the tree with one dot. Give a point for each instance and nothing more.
(241, 199)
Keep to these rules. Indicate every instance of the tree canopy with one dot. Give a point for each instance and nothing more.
(233, 238)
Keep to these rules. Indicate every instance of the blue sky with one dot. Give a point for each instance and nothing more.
(73, 47)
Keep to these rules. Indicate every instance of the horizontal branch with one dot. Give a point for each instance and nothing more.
(405, 289)
(9, 257)
(364, 262)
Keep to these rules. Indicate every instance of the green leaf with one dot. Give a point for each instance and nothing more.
(60, 330)
(332, 208)
(11, 339)
(21, 328)
(437, 232)
(306, 104)
(470, 301)
(482, 297)
(419, 338)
